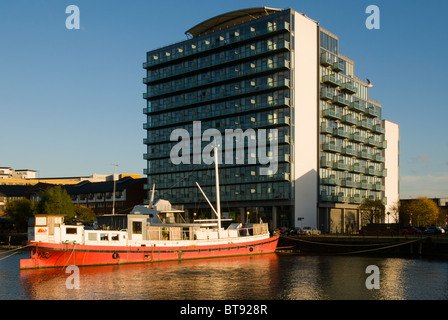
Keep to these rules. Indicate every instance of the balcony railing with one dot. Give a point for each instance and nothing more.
(339, 165)
(160, 57)
(340, 100)
(348, 118)
(331, 147)
(348, 87)
(332, 114)
(326, 129)
(337, 66)
(330, 79)
(326, 94)
(341, 133)
(355, 106)
(325, 59)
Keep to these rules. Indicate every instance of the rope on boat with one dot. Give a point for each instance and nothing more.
(9, 255)
(344, 245)
(364, 245)
(386, 247)
(19, 248)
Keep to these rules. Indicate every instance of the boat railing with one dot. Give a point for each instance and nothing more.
(177, 233)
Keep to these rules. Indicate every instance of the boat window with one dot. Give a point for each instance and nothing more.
(93, 236)
(137, 227)
(41, 221)
(115, 237)
(71, 231)
(104, 237)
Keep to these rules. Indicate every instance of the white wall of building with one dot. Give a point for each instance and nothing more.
(305, 119)
(392, 164)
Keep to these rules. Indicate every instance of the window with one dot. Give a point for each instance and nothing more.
(92, 236)
(137, 227)
(104, 237)
(41, 221)
(71, 230)
(115, 237)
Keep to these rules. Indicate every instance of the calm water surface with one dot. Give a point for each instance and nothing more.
(267, 277)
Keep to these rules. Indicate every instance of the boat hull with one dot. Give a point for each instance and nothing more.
(50, 255)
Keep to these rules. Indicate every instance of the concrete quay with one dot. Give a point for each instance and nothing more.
(411, 246)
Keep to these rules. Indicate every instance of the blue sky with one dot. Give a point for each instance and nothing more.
(71, 100)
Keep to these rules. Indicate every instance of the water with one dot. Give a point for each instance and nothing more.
(267, 277)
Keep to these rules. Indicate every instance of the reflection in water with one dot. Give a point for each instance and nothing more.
(226, 278)
(266, 277)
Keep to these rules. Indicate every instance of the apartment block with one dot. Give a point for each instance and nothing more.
(275, 70)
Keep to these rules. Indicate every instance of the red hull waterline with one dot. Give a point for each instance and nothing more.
(51, 255)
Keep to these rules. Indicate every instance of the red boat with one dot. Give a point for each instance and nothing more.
(148, 234)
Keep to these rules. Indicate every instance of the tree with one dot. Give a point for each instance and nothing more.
(55, 201)
(395, 212)
(372, 210)
(19, 211)
(84, 213)
(420, 212)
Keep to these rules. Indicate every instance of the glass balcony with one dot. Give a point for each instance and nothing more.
(341, 198)
(349, 88)
(370, 112)
(377, 128)
(377, 187)
(340, 100)
(341, 133)
(170, 54)
(349, 119)
(355, 199)
(337, 66)
(383, 144)
(324, 163)
(371, 142)
(347, 183)
(377, 157)
(332, 114)
(326, 94)
(340, 165)
(325, 59)
(330, 79)
(330, 147)
(357, 137)
(349, 151)
(355, 106)
(363, 124)
(325, 129)
(364, 155)
(331, 181)
(364, 184)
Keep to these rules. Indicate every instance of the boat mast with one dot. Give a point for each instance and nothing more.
(218, 200)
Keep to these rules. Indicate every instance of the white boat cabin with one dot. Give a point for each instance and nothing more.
(160, 225)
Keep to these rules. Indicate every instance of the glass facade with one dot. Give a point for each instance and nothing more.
(352, 143)
(241, 77)
(237, 78)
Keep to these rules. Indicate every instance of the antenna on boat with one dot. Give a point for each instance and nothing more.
(113, 195)
(218, 201)
(151, 201)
